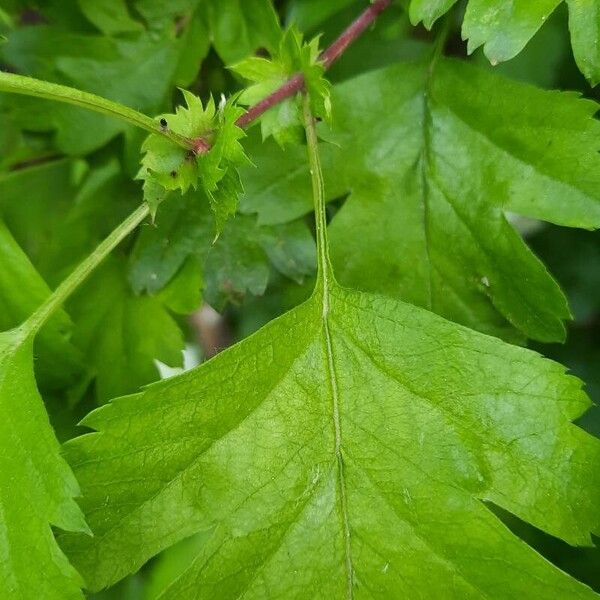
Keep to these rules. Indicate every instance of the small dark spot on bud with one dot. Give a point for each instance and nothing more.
(173, 173)
(190, 155)
(163, 123)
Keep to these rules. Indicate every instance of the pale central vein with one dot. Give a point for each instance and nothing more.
(338, 442)
(324, 283)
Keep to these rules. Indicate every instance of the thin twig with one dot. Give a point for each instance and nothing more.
(328, 57)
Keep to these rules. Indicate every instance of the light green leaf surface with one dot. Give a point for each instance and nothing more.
(504, 28)
(432, 419)
(346, 450)
(433, 186)
(37, 488)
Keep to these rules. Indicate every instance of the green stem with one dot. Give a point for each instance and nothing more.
(80, 274)
(324, 264)
(28, 86)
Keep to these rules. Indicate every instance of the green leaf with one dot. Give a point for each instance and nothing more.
(429, 214)
(584, 23)
(504, 28)
(309, 14)
(167, 166)
(283, 122)
(239, 262)
(110, 16)
(102, 70)
(37, 488)
(475, 150)
(122, 334)
(240, 27)
(344, 450)
(431, 418)
(236, 28)
(277, 189)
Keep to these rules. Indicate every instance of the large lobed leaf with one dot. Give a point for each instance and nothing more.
(433, 186)
(340, 452)
(504, 28)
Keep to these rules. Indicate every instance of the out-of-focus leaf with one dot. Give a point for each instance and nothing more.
(122, 334)
(22, 290)
(110, 16)
(239, 262)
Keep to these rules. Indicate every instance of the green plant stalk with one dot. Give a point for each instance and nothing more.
(29, 86)
(325, 271)
(84, 269)
(325, 281)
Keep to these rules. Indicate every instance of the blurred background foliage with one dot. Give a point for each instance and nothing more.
(66, 181)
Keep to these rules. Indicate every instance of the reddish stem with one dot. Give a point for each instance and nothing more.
(328, 57)
(287, 90)
(355, 30)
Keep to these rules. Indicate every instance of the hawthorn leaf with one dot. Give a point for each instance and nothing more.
(344, 450)
(351, 451)
(430, 217)
(476, 149)
(37, 487)
(504, 28)
(112, 322)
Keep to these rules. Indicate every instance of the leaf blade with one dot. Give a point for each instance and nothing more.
(37, 487)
